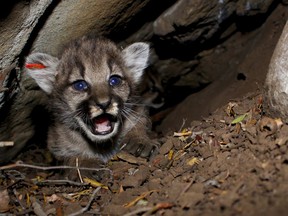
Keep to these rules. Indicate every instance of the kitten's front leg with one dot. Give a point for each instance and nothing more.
(138, 142)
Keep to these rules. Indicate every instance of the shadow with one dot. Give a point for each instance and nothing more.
(6, 8)
(148, 14)
(250, 23)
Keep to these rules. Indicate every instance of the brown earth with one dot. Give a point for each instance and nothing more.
(231, 162)
(214, 167)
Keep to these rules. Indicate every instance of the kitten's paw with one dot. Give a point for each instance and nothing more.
(145, 148)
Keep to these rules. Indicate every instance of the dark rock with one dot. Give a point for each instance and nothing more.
(253, 7)
(193, 20)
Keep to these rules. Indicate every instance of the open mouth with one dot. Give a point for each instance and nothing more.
(103, 124)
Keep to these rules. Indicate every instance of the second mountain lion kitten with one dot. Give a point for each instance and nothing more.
(93, 98)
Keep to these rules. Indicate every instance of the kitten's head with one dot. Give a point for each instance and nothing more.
(152, 90)
(90, 84)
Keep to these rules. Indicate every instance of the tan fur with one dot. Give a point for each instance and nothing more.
(94, 122)
(22, 119)
(151, 89)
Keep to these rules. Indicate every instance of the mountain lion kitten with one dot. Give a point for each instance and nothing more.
(152, 90)
(93, 98)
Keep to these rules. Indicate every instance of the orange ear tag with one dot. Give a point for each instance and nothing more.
(34, 66)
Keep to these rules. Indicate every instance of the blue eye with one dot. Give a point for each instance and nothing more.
(80, 85)
(115, 80)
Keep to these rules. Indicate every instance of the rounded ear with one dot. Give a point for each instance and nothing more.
(42, 68)
(136, 59)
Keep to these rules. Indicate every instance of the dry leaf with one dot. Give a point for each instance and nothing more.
(193, 161)
(180, 134)
(124, 156)
(229, 109)
(142, 196)
(161, 206)
(4, 201)
(94, 183)
(77, 195)
(53, 198)
(170, 154)
(279, 122)
(268, 125)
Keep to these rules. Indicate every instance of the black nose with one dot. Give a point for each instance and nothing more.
(104, 105)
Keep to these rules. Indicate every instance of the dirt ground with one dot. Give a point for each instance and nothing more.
(234, 162)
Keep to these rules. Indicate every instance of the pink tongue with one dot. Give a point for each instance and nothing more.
(102, 125)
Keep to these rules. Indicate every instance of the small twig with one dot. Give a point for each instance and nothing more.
(21, 164)
(142, 196)
(183, 123)
(157, 207)
(61, 182)
(186, 188)
(78, 170)
(150, 210)
(6, 143)
(17, 199)
(123, 146)
(81, 211)
(140, 210)
(180, 134)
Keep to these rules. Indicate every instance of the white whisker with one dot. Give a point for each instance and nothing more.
(132, 116)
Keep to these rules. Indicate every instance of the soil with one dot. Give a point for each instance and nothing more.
(233, 161)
